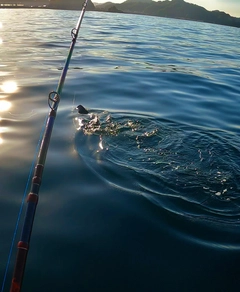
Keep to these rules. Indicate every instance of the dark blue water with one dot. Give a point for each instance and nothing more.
(142, 194)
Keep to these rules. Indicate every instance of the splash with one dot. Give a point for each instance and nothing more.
(189, 172)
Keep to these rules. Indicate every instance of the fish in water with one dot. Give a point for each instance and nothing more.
(81, 110)
(90, 123)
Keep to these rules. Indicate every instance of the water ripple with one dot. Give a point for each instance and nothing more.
(188, 171)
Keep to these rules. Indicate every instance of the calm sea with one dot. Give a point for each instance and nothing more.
(142, 194)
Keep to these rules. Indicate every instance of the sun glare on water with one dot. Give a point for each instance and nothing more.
(9, 87)
(5, 105)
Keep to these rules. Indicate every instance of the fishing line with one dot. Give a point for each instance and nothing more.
(32, 198)
(73, 102)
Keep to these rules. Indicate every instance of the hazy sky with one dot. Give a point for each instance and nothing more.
(229, 6)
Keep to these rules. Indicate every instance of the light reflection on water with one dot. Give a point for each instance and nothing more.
(9, 87)
(1, 41)
(5, 105)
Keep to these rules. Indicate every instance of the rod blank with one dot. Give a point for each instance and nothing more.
(32, 200)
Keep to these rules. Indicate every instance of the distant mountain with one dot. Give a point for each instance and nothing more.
(105, 6)
(140, 1)
(173, 9)
(54, 4)
(27, 3)
(69, 4)
(114, 9)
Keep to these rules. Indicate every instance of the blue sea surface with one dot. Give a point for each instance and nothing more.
(143, 193)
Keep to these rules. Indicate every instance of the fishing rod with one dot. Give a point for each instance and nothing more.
(32, 199)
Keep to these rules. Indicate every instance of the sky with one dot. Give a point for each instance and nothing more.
(229, 6)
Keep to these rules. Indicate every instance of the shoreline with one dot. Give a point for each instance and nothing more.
(98, 10)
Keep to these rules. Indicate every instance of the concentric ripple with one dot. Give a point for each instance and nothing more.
(188, 171)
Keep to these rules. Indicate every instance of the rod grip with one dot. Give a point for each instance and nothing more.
(19, 267)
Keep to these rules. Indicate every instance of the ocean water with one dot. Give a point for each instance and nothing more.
(142, 194)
